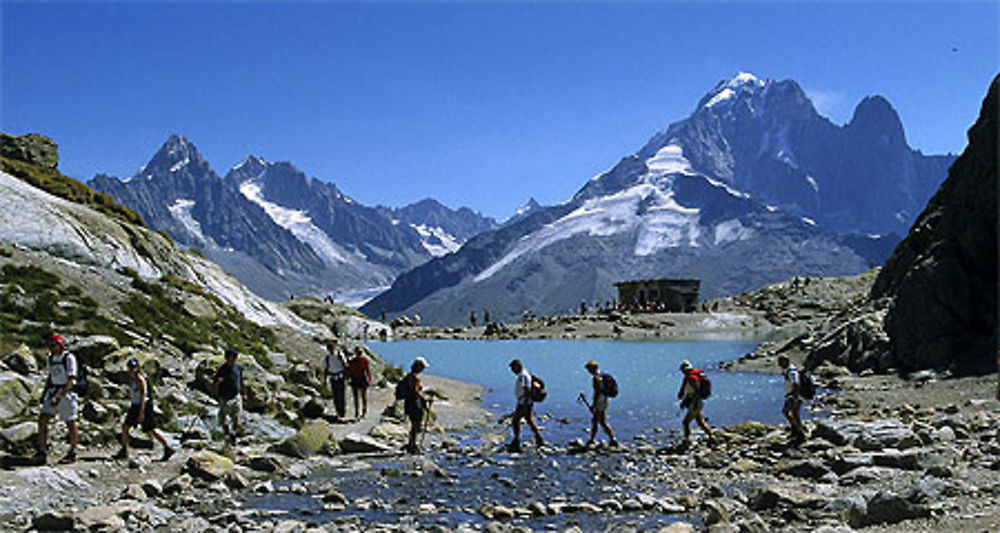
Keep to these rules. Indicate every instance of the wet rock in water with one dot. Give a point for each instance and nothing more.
(55, 521)
(314, 438)
(265, 463)
(235, 480)
(678, 527)
(885, 508)
(612, 506)
(356, 443)
(15, 395)
(334, 496)
(389, 431)
(208, 466)
(713, 460)
(715, 512)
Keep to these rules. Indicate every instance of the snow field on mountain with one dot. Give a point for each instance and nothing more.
(436, 240)
(181, 211)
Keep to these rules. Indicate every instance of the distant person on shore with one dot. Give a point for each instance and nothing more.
(335, 368)
(415, 404)
(58, 399)
(486, 316)
(229, 384)
(692, 400)
(599, 404)
(361, 379)
(524, 408)
(793, 401)
(140, 411)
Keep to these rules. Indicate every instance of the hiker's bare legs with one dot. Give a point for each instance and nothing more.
(687, 425)
(355, 392)
(600, 417)
(704, 425)
(74, 435)
(414, 431)
(364, 403)
(43, 434)
(156, 435)
(791, 412)
(126, 435)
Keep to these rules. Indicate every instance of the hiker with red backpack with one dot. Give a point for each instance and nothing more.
(59, 398)
(695, 388)
(605, 387)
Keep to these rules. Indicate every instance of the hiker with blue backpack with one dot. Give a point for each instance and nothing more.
(59, 398)
(695, 389)
(605, 387)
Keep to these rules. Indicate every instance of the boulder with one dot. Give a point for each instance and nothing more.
(874, 435)
(208, 465)
(55, 521)
(31, 148)
(265, 463)
(15, 395)
(312, 409)
(106, 517)
(20, 437)
(859, 344)
(355, 327)
(315, 437)
(95, 412)
(177, 485)
(678, 527)
(92, 350)
(885, 508)
(355, 443)
(809, 469)
(22, 361)
(782, 496)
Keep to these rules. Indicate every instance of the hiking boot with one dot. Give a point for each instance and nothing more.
(167, 453)
(514, 447)
(613, 443)
(539, 442)
(40, 458)
(121, 454)
(69, 458)
(589, 443)
(412, 449)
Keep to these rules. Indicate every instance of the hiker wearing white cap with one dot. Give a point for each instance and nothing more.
(694, 389)
(414, 402)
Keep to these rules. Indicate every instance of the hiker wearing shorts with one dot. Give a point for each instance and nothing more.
(793, 401)
(58, 399)
(335, 368)
(140, 411)
(361, 378)
(525, 405)
(415, 403)
(229, 384)
(599, 405)
(690, 396)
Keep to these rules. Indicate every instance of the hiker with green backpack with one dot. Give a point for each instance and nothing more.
(695, 389)
(140, 411)
(59, 398)
(605, 387)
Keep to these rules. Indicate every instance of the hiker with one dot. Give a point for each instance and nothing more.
(793, 401)
(229, 384)
(692, 400)
(335, 367)
(140, 411)
(486, 316)
(599, 405)
(522, 393)
(361, 377)
(472, 318)
(58, 398)
(415, 404)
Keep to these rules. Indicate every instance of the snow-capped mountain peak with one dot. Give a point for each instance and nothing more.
(742, 84)
(251, 166)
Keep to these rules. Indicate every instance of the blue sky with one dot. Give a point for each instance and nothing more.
(474, 104)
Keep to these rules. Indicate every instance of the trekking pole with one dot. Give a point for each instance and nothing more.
(583, 399)
(427, 418)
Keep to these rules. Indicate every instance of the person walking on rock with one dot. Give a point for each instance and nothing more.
(335, 368)
(229, 384)
(140, 411)
(599, 405)
(415, 404)
(58, 398)
(524, 408)
(793, 402)
(361, 379)
(692, 400)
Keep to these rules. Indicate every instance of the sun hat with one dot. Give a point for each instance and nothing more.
(421, 361)
(590, 364)
(685, 364)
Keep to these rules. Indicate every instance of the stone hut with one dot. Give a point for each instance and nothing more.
(670, 295)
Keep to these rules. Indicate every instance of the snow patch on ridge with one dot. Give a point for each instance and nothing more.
(297, 222)
(669, 160)
(181, 211)
(436, 240)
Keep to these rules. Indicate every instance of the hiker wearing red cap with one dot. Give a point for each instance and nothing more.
(58, 398)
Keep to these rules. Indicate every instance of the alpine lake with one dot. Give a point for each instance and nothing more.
(645, 416)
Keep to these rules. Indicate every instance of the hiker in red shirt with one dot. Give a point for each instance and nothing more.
(361, 378)
(692, 398)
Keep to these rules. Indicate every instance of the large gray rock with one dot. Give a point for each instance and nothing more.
(355, 443)
(20, 436)
(208, 466)
(859, 344)
(92, 350)
(874, 435)
(942, 278)
(314, 438)
(15, 395)
(55, 521)
(22, 361)
(885, 508)
(30, 148)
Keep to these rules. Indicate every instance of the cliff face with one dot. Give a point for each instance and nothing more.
(941, 279)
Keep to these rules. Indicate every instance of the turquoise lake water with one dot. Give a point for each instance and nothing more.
(647, 374)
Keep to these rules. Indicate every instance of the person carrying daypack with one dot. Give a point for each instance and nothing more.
(335, 368)
(415, 404)
(140, 411)
(361, 379)
(605, 387)
(229, 384)
(58, 398)
(523, 388)
(793, 400)
(692, 396)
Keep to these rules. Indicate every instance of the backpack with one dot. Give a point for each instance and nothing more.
(609, 387)
(403, 388)
(704, 387)
(81, 382)
(807, 387)
(537, 392)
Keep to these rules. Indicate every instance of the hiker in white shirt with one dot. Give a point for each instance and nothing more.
(793, 402)
(58, 398)
(335, 368)
(522, 392)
